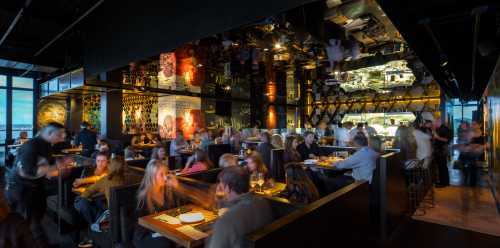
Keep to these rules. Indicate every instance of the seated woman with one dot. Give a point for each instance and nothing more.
(363, 162)
(153, 138)
(277, 141)
(299, 187)
(90, 209)
(131, 153)
(91, 175)
(178, 144)
(256, 165)
(196, 142)
(197, 162)
(291, 155)
(153, 196)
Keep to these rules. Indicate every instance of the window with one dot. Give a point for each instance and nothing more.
(3, 115)
(22, 82)
(20, 109)
(3, 80)
(22, 118)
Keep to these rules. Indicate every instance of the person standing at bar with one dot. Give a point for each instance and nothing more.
(87, 138)
(424, 145)
(342, 134)
(370, 130)
(24, 189)
(441, 140)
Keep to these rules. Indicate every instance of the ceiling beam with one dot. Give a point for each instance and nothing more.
(14, 22)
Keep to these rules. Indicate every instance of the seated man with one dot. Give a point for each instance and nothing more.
(363, 163)
(91, 175)
(309, 149)
(246, 211)
(227, 160)
(101, 147)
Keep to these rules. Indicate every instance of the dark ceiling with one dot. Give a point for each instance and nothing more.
(452, 24)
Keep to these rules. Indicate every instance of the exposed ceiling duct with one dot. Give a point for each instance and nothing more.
(365, 21)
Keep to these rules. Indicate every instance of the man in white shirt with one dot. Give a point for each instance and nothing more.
(342, 135)
(424, 146)
(356, 130)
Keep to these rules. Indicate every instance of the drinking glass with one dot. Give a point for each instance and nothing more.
(260, 180)
(253, 180)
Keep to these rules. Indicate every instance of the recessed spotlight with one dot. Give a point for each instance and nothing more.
(266, 49)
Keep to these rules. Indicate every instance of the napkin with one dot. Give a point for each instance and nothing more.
(168, 219)
(191, 232)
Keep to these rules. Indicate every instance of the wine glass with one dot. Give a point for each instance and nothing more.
(260, 180)
(253, 180)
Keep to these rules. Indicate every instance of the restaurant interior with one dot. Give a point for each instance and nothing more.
(304, 123)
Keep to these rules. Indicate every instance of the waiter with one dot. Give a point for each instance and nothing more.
(25, 189)
(87, 138)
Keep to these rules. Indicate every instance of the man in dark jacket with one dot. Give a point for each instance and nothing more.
(87, 138)
(25, 191)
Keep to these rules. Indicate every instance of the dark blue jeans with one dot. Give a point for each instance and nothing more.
(90, 210)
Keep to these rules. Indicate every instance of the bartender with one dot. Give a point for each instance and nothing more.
(25, 191)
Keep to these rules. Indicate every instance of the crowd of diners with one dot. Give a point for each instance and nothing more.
(159, 189)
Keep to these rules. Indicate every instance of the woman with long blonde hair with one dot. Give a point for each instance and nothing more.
(153, 196)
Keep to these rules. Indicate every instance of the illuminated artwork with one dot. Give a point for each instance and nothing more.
(51, 111)
(167, 73)
(379, 78)
(179, 70)
(179, 113)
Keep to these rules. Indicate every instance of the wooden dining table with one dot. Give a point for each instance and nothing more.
(186, 235)
(76, 150)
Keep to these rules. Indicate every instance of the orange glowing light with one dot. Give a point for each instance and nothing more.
(271, 117)
(271, 91)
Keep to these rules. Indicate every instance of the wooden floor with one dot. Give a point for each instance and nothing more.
(420, 234)
(468, 208)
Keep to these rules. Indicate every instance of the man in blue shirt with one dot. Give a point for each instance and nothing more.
(363, 163)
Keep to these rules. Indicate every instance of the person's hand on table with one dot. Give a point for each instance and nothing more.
(171, 181)
(77, 183)
(322, 158)
(79, 190)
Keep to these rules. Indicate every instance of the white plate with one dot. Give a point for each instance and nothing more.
(192, 217)
(310, 161)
